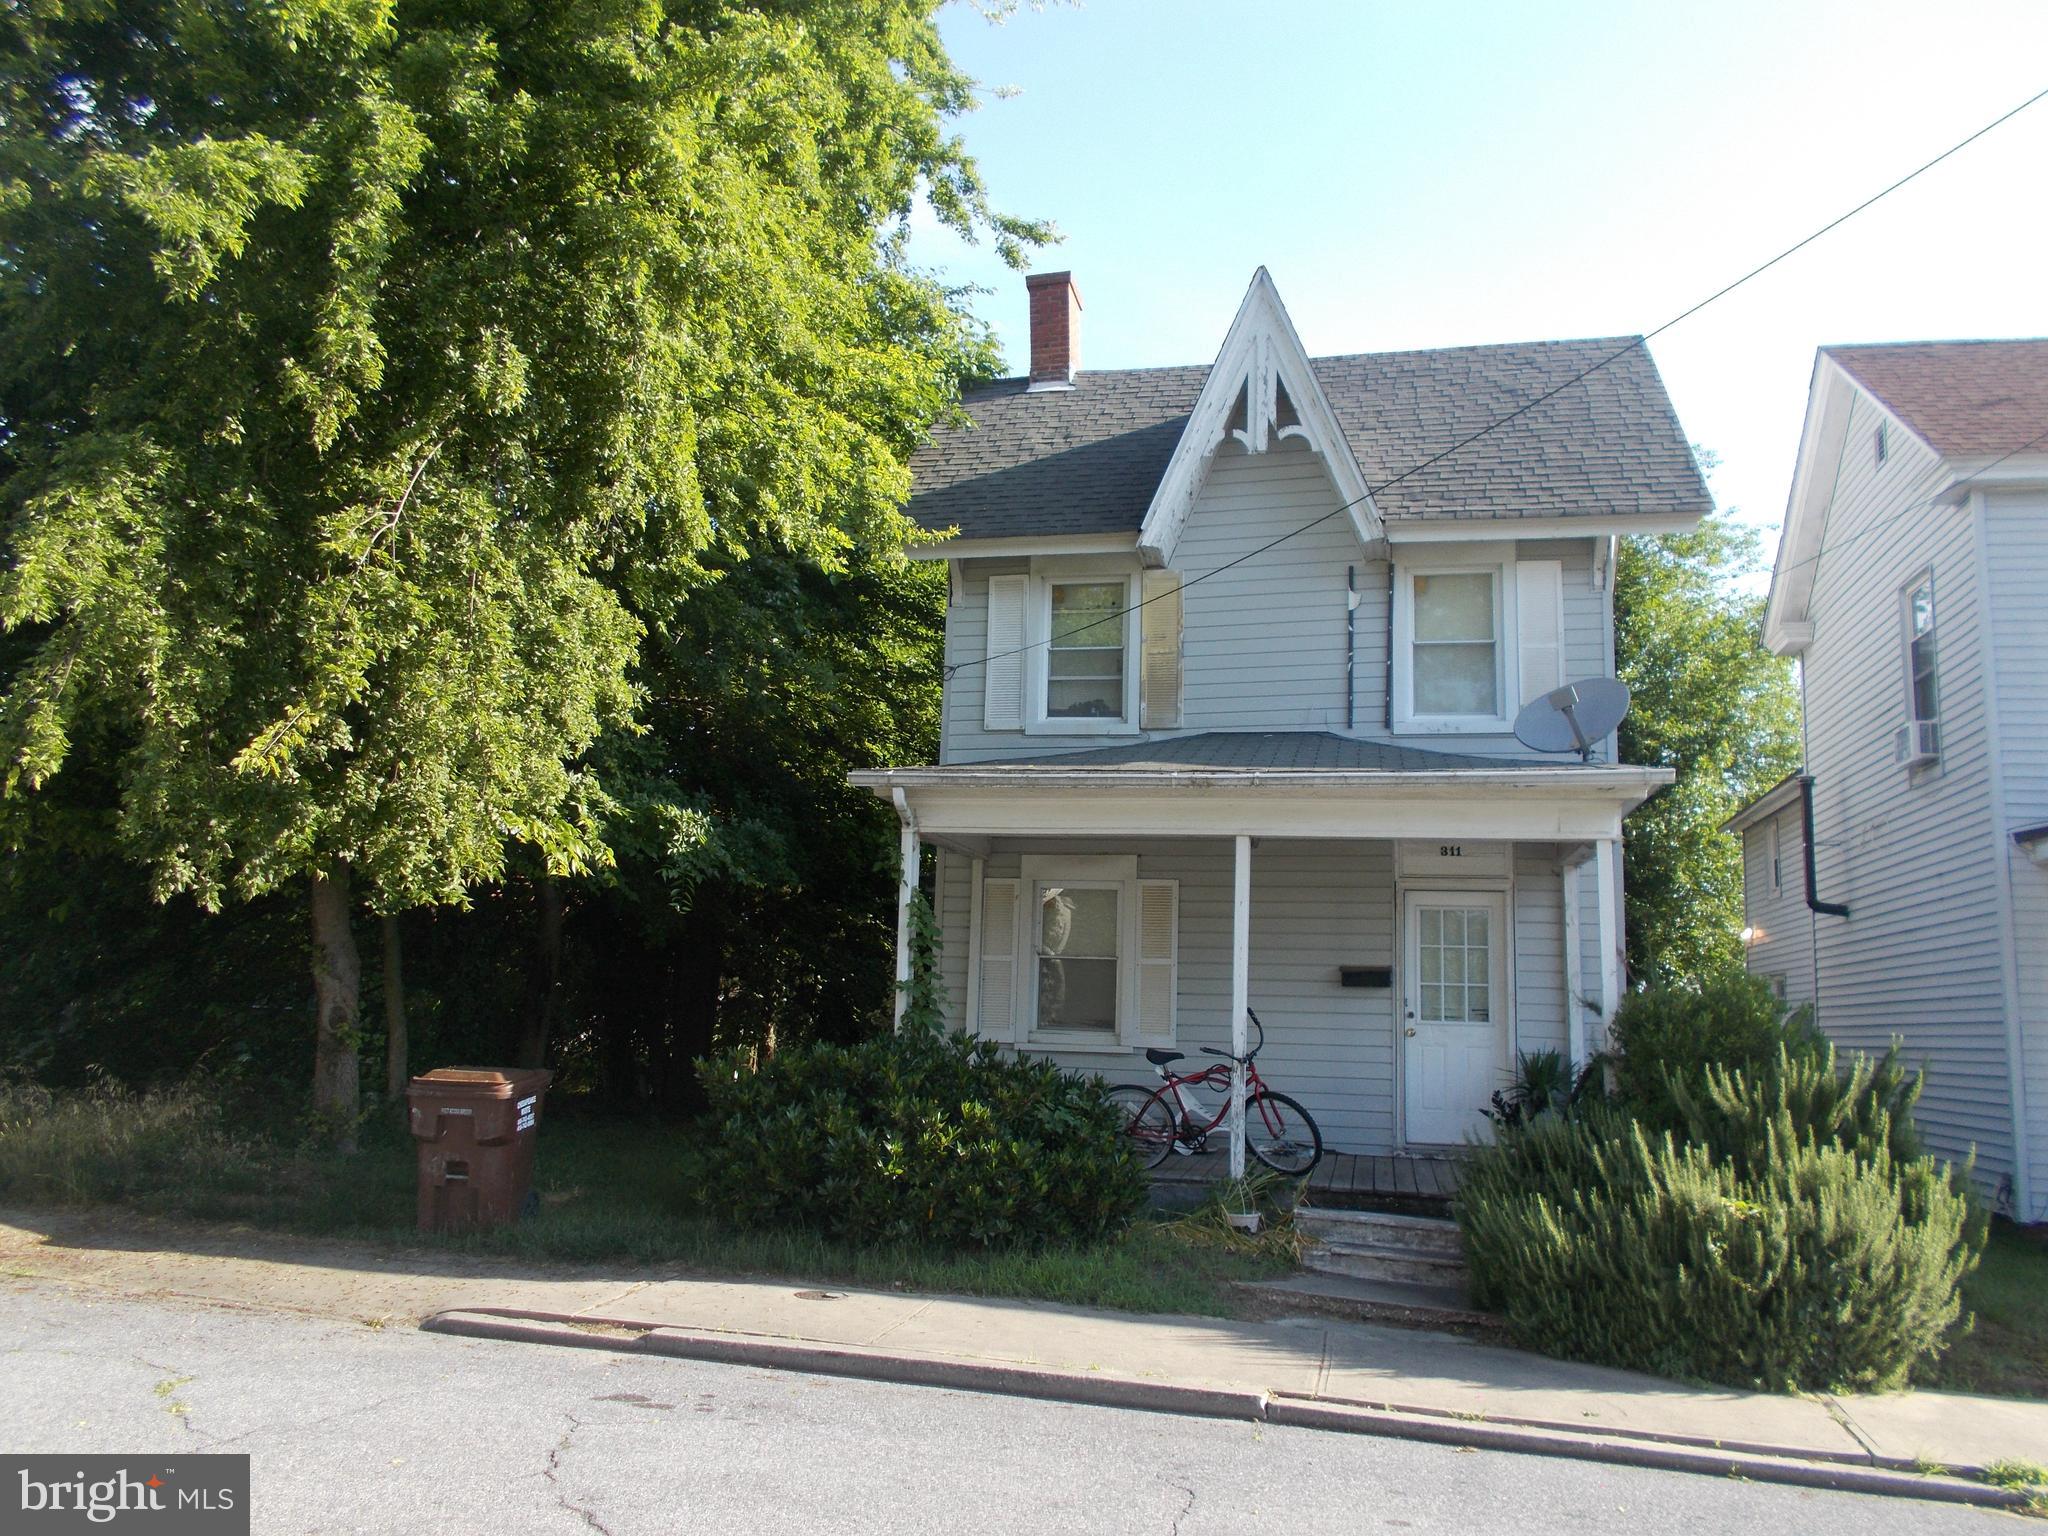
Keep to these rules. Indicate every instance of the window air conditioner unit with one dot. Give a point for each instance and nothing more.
(1918, 742)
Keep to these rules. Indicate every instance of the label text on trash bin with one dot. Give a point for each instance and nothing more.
(526, 1113)
(173, 1495)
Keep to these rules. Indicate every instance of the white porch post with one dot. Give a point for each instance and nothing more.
(1574, 956)
(1607, 869)
(1240, 995)
(906, 888)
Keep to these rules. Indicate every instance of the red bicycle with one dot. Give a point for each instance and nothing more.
(1277, 1130)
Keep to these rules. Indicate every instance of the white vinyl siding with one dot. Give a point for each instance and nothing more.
(1921, 957)
(2016, 549)
(1316, 907)
(1262, 644)
(1781, 943)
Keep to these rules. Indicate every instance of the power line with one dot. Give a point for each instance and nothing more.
(952, 669)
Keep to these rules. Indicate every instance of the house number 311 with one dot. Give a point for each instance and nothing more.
(1450, 850)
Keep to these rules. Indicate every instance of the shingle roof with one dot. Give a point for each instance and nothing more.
(1087, 459)
(1965, 397)
(1311, 751)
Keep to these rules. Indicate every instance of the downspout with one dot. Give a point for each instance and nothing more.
(1350, 647)
(1813, 901)
(1389, 720)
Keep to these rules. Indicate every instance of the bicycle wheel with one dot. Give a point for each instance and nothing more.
(1148, 1121)
(1280, 1134)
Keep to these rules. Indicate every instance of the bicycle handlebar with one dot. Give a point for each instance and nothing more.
(1210, 1050)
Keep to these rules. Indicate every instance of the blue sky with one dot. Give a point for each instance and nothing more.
(1440, 174)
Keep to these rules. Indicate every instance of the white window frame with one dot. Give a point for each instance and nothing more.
(1045, 575)
(1497, 561)
(1086, 871)
(1921, 578)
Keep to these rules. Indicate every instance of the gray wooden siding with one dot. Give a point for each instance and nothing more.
(1910, 852)
(1783, 947)
(2016, 547)
(1315, 906)
(1265, 641)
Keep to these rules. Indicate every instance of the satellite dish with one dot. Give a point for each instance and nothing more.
(1573, 718)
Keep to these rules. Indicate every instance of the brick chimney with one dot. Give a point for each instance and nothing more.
(1055, 327)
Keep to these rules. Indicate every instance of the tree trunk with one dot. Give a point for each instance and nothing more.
(544, 978)
(337, 994)
(396, 1074)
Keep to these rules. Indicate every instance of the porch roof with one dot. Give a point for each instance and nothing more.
(1278, 783)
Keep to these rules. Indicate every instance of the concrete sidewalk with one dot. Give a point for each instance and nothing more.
(1306, 1370)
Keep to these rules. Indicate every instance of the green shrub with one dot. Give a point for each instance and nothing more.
(1742, 1118)
(1675, 1033)
(920, 1137)
(1788, 1248)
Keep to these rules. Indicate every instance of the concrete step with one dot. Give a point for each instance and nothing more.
(1372, 1261)
(1380, 1229)
(1390, 1303)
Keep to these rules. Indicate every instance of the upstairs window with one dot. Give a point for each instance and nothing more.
(1084, 672)
(1923, 686)
(1456, 662)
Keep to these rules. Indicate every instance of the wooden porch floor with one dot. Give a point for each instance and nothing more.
(1339, 1174)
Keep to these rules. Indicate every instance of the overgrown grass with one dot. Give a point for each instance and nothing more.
(2006, 1353)
(613, 1191)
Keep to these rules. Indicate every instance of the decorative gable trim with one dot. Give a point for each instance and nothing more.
(1261, 367)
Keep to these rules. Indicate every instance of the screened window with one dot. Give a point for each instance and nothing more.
(1456, 643)
(1456, 951)
(1077, 956)
(1084, 678)
(1921, 657)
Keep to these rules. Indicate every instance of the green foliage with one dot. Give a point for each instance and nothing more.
(1789, 1240)
(464, 444)
(1544, 1084)
(1715, 706)
(924, 993)
(1743, 1116)
(373, 377)
(921, 1137)
(1673, 1032)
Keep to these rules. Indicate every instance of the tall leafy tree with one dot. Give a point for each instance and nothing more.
(378, 377)
(1713, 704)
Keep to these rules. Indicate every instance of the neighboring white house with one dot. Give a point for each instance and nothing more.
(1222, 727)
(1912, 584)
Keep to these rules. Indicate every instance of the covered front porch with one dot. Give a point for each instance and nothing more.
(1401, 922)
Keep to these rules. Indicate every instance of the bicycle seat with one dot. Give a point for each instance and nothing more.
(1160, 1058)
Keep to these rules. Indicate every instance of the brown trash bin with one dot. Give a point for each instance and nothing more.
(475, 1129)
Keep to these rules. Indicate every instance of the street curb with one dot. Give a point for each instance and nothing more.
(850, 1360)
(1754, 1463)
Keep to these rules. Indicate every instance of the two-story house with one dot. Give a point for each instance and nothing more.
(1233, 656)
(1899, 884)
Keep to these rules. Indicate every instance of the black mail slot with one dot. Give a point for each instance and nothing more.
(1366, 975)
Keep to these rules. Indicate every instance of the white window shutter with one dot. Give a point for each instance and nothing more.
(1158, 957)
(1159, 675)
(995, 946)
(1539, 624)
(1002, 676)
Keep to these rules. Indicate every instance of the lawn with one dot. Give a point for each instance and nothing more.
(612, 1191)
(2007, 1351)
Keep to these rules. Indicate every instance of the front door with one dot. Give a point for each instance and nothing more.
(1454, 1046)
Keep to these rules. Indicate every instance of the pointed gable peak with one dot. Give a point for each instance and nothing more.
(1261, 391)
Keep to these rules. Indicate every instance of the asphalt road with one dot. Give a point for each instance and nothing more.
(355, 1428)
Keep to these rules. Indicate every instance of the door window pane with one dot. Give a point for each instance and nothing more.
(1455, 955)
(1085, 661)
(1077, 957)
(1453, 664)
